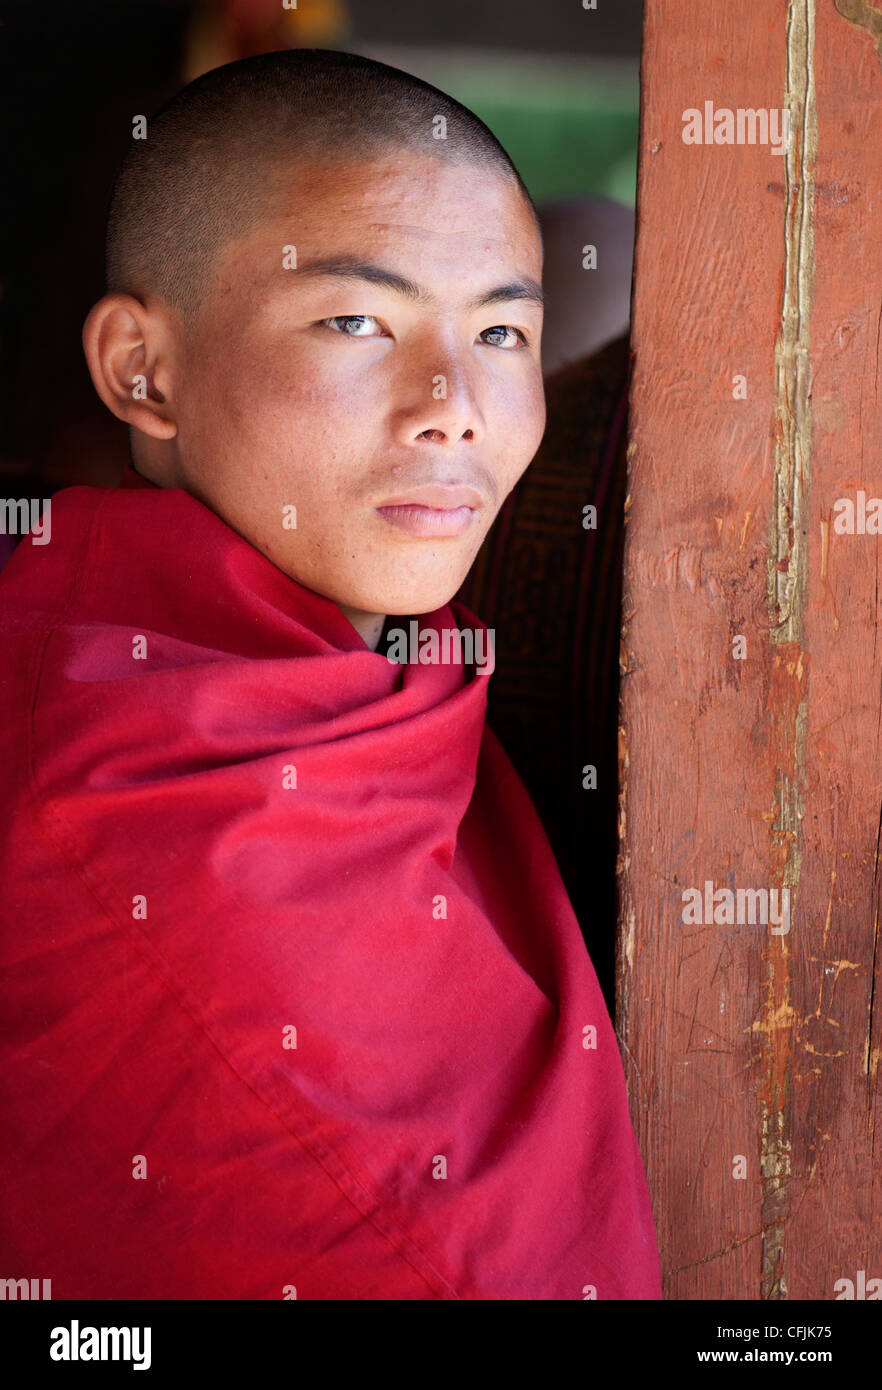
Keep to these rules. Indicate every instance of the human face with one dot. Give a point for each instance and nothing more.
(341, 391)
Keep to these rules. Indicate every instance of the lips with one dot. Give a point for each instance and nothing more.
(429, 521)
(437, 496)
(436, 510)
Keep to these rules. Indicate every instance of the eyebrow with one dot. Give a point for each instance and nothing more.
(346, 268)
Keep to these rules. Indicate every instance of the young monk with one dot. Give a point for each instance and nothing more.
(296, 1004)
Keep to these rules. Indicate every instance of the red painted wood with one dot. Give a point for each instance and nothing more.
(763, 772)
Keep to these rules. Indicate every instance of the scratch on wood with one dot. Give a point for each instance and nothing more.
(825, 549)
(679, 565)
(871, 1063)
(872, 1060)
(787, 593)
(717, 1254)
(627, 933)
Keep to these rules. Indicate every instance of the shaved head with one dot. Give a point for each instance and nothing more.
(219, 157)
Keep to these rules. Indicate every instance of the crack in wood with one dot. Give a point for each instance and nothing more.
(717, 1254)
(787, 595)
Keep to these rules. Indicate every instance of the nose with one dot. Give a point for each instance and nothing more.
(440, 403)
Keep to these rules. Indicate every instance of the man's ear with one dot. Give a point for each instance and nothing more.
(129, 350)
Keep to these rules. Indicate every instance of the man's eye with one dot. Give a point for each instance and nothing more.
(343, 323)
(503, 328)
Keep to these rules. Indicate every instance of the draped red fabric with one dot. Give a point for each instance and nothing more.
(295, 1003)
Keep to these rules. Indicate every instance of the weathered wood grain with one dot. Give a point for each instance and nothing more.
(762, 772)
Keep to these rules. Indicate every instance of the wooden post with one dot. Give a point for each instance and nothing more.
(751, 658)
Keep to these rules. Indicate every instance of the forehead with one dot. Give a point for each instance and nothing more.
(432, 217)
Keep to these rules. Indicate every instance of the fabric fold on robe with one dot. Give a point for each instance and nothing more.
(295, 1003)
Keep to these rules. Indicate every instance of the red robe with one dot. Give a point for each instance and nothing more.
(330, 1040)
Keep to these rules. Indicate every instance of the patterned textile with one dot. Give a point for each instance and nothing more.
(552, 591)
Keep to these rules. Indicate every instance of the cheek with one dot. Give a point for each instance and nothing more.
(283, 404)
(536, 418)
(519, 423)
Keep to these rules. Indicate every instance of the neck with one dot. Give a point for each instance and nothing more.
(369, 626)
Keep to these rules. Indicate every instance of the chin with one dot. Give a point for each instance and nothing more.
(422, 598)
(401, 588)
